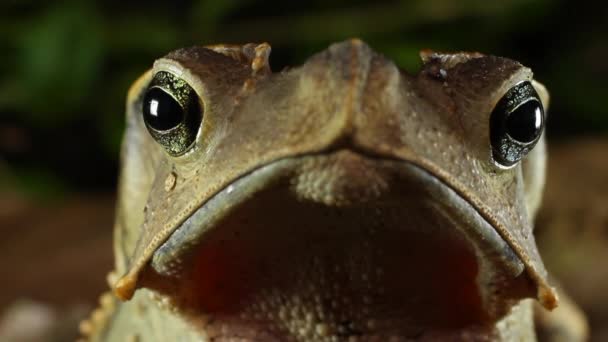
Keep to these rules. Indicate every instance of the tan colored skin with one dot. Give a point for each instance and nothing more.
(319, 156)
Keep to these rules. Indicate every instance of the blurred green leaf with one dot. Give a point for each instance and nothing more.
(207, 15)
(58, 62)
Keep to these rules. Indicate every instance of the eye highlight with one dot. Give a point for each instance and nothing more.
(172, 112)
(161, 111)
(516, 124)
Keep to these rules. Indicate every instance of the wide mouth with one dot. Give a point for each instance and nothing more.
(339, 240)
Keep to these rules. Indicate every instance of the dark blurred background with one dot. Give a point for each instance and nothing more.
(65, 68)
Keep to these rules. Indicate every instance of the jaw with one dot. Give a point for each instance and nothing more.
(337, 246)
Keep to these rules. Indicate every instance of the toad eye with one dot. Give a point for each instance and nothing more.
(516, 124)
(172, 113)
(161, 111)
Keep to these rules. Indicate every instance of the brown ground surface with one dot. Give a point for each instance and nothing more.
(58, 254)
(572, 226)
(54, 254)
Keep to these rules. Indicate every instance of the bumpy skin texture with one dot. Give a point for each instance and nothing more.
(340, 200)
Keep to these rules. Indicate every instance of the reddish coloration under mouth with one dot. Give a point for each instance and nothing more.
(398, 263)
(430, 275)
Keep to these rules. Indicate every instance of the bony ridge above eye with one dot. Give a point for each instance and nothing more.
(172, 112)
(516, 124)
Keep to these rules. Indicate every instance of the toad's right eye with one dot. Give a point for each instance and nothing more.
(173, 112)
(516, 124)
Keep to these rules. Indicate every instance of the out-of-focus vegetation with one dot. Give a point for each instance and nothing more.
(65, 66)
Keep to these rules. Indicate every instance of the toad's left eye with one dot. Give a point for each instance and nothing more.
(516, 124)
(172, 112)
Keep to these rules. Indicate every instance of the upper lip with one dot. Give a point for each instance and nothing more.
(240, 190)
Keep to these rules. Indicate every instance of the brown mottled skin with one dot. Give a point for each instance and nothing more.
(342, 200)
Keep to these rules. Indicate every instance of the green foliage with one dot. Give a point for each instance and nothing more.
(57, 63)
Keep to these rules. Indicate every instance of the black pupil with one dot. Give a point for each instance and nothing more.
(524, 123)
(161, 110)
